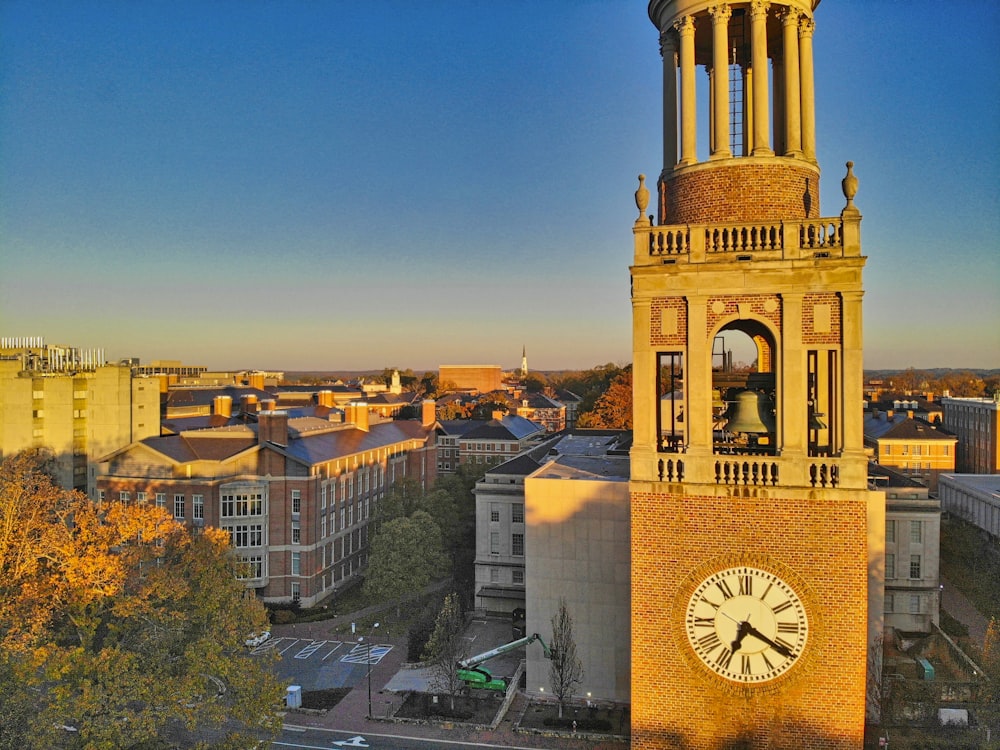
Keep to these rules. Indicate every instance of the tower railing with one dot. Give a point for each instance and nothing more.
(724, 241)
(759, 471)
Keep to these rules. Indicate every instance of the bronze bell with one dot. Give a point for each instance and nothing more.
(750, 413)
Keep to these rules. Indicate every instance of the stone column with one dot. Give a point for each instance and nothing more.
(685, 29)
(778, 101)
(720, 79)
(807, 96)
(793, 106)
(747, 110)
(668, 49)
(758, 41)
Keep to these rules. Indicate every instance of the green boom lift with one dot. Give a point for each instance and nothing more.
(476, 676)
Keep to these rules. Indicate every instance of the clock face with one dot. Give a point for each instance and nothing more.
(746, 624)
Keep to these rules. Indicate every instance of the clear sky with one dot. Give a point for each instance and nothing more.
(335, 184)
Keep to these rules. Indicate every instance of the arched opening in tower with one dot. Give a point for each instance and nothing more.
(744, 399)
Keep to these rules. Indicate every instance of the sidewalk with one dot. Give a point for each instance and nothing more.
(351, 714)
(955, 604)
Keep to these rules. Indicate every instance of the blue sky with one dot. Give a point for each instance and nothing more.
(354, 185)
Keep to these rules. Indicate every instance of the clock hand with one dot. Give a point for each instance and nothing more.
(783, 650)
(743, 632)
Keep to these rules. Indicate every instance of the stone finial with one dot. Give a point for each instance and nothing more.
(850, 187)
(642, 198)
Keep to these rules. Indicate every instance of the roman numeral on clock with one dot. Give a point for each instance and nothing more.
(727, 593)
(788, 627)
(746, 586)
(782, 607)
(709, 641)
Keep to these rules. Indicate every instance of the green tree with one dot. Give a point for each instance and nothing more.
(406, 554)
(446, 647)
(117, 621)
(565, 669)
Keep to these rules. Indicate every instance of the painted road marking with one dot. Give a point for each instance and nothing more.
(336, 646)
(365, 655)
(309, 650)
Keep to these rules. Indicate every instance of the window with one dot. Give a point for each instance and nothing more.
(890, 566)
(517, 544)
(178, 506)
(916, 534)
(198, 507)
(494, 575)
(123, 498)
(494, 512)
(236, 504)
(296, 502)
(494, 542)
(890, 531)
(296, 533)
(140, 497)
(322, 527)
(517, 575)
(322, 496)
(517, 513)
(296, 563)
(247, 535)
(914, 604)
(100, 495)
(296, 592)
(890, 601)
(255, 567)
(914, 566)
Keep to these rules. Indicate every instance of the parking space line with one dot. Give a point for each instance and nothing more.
(309, 650)
(293, 642)
(336, 645)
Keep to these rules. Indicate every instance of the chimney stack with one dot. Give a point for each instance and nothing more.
(272, 427)
(428, 412)
(248, 403)
(222, 406)
(325, 398)
(357, 414)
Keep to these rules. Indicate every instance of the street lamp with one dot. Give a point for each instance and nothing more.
(368, 660)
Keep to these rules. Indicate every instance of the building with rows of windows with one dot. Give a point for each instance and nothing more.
(976, 423)
(295, 494)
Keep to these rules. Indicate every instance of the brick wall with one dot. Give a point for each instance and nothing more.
(820, 544)
(743, 192)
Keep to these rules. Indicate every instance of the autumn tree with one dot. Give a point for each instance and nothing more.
(406, 554)
(446, 647)
(991, 660)
(565, 669)
(613, 410)
(118, 622)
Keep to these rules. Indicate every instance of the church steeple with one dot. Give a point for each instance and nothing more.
(524, 362)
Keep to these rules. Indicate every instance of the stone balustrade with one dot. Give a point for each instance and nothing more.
(752, 470)
(784, 240)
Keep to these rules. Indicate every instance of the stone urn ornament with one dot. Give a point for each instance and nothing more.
(850, 186)
(642, 199)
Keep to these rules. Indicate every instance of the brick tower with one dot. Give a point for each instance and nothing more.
(756, 544)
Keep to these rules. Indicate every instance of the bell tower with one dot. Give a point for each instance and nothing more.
(756, 543)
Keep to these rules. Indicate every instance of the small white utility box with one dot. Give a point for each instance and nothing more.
(293, 696)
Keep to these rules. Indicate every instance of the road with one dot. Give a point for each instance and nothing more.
(309, 738)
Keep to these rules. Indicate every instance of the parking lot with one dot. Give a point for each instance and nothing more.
(323, 664)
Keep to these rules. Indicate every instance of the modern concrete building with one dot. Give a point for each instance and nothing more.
(976, 424)
(70, 401)
(577, 538)
(296, 495)
(502, 535)
(974, 498)
(482, 378)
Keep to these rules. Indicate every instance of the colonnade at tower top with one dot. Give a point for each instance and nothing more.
(756, 110)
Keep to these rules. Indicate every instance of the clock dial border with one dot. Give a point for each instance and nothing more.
(805, 652)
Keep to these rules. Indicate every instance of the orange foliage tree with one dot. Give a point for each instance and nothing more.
(116, 621)
(613, 410)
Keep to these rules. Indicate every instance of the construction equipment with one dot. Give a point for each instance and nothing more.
(476, 676)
